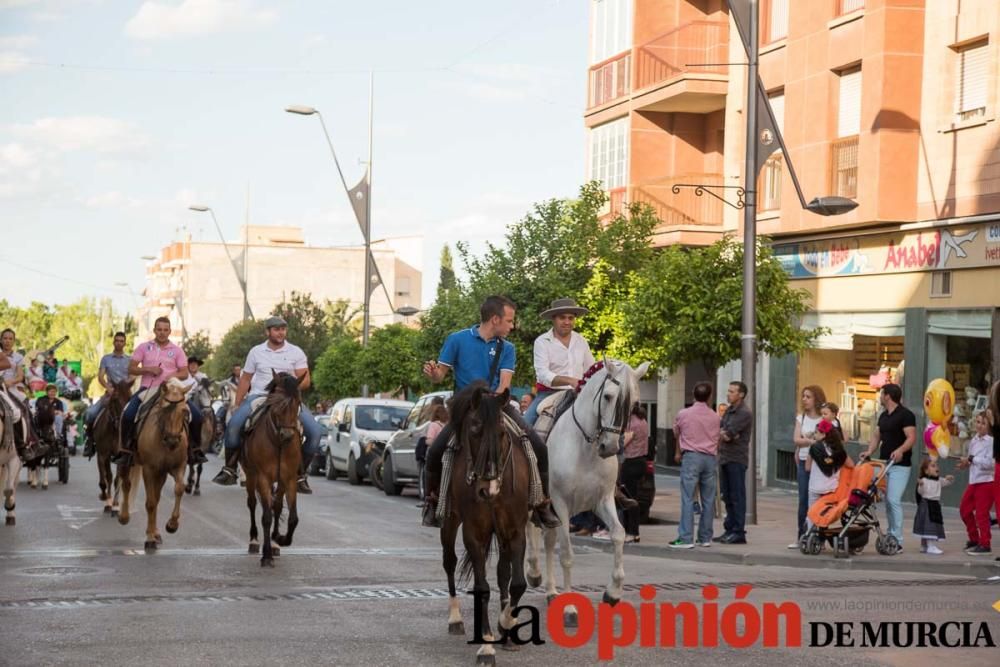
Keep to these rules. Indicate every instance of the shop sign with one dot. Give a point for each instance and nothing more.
(899, 252)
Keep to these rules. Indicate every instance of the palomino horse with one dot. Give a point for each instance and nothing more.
(583, 471)
(10, 470)
(488, 497)
(203, 397)
(162, 450)
(107, 428)
(271, 457)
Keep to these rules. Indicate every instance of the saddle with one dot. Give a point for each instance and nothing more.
(258, 409)
(550, 409)
(149, 399)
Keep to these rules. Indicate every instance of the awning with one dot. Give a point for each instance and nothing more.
(967, 323)
(844, 326)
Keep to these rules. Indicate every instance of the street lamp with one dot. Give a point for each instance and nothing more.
(407, 311)
(240, 278)
(135, 300)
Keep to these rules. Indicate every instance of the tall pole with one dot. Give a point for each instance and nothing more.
(247, 313)
(368, 229)
(748, 339)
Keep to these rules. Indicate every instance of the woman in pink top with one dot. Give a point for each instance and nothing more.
(634, 466)
(439, 417)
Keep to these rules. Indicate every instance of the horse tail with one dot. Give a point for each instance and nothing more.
(465, 568)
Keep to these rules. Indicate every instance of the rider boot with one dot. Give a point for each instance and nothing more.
(228, 475)
(125, 453)
(89, 447)
(429, 518)
(542, 515)
(303, 482)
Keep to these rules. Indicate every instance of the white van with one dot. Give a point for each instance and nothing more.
(355, 423)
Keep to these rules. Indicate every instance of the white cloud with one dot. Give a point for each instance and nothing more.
(159, 20)
(17, 42)
(112, 199)
(12, 61)
(12, 55)
(97, 133)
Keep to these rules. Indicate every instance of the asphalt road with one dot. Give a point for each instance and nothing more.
(363, 585)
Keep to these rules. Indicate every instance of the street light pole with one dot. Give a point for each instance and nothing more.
(240, 278)
(368, 227)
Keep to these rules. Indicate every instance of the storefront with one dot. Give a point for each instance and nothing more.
(907, 306)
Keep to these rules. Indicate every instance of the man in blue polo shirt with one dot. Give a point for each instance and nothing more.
(481, 353)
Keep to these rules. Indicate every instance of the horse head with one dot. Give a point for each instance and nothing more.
(283, 400)
(478, 417)
(610, 389)
(173, 412)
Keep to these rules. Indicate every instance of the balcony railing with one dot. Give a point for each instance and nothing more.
(698, 47)
(617, 200)
(848, 6)
(610, 80)
(683, 207)
(844, 167)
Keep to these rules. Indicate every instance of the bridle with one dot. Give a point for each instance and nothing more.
(168, 437)
(601, 428)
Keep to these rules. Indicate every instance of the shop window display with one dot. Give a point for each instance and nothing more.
(967, 369)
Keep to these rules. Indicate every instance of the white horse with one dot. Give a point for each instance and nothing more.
(10, 470)
(583, 470)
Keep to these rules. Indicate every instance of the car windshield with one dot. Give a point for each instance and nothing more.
(379, 417)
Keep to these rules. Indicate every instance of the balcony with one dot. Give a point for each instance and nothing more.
(610, 80)
(683, 208)
(844, 167)
(682, 70)
(848, 6)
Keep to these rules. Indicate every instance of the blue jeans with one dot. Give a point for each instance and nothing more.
(898, 477)
(734, 494)
(234, 431)
(697, 470)
(196, 420)
(532, 414)
(803, 480)
(132, 409)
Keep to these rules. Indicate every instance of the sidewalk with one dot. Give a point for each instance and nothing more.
(768, 541)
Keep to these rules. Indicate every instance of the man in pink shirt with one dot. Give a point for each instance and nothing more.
(155, 362)
(696, 432)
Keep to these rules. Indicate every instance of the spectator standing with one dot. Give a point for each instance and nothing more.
(803, 437)
(634, 466)
(978, 496)
(928, 524)
(696, 430)
(734, 459)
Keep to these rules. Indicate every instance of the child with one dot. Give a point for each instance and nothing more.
(828, 457)
(978, 496)
(829, 412)
(928, 524)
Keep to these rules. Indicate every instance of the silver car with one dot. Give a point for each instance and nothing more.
(400, 466)
(355, 425)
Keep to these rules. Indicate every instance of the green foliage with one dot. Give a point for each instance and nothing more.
(338, 370)
(392, 360)
(234, 346)
(198, 345)
(343, 319)
(307, 324)
(447, 280)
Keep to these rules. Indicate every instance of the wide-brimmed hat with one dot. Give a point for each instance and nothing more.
(563, 306)
(275, 321)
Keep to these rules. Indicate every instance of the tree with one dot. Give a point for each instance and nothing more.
(685, 306)
(198, 345)
(392, 360)
(307, 324)
(343, 319)
(446, 279)
(234, 346)
(338, 369)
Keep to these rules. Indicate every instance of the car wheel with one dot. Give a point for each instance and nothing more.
(314, 467)
(375, 472)
(352, 470)
(331, 472)
(389, 479)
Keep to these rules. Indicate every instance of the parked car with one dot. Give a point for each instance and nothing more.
(400, 466)
(318, 464)
(356, 424)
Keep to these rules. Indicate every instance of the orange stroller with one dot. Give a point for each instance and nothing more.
(846, 517)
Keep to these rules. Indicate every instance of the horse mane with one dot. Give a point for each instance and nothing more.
(282, 391)
(461, 403)
(611, 367)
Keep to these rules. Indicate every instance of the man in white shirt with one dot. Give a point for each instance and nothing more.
(562, 355)
(191, 385)
(277, 355)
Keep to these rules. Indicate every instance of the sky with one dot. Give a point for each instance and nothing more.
(115, 116)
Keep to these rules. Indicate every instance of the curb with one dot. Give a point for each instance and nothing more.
(824, 561)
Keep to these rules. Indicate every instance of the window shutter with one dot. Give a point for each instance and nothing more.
(973, 65)
(778, 20)
(777, 101)
(849, 113)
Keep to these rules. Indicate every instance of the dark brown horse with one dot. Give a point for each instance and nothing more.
(271, 457)
(203, 398)
(488, 498)
(107, 428)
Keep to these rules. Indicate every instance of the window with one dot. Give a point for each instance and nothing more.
(844, 151)
(776, 18)
(777, 101)
(941, 283)
(609, 154)
(971, 81)
(612, 29)
(848, 6)
(849, 110)
(769, 188)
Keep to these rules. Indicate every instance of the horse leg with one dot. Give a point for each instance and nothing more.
(152, 482)
(565, 559)
(197, 480)
(116, 497)
(267, 516)
(534, 537)
(518, 584)
(449, 531)
(102, 481)
(45, 477)
(278, 503)
(293, 514)
(486, 655)
(606, 511)
(190, 480)
(11, 472)
(254, 547)
(173, 523)
(130, 486)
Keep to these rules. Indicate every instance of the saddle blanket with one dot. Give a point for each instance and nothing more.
(550, 409)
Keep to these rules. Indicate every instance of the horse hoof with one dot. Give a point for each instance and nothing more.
(159, 538)
(107, 510)
(486, 660)
(45, 487)
(253, 549)
(197, 492)
(10, 521)
(267, 562)
(570, 619)
(607, 599)
(456, 628)
(171, 528)
(123, 520)
(275, 551)
(150, 546)
(510, 646)
(114, 512)
(187, 490)
(534, 582)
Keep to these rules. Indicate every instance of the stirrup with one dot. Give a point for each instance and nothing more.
(303, 485)
(226, 477)
(543, 516)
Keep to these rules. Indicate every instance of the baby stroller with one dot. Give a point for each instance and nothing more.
(846, 517)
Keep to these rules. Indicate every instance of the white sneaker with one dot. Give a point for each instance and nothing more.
(704, 544)
(933, 550)
(793, 545)
(601, 535)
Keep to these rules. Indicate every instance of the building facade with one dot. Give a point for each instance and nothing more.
(890, 103)
(194, 284)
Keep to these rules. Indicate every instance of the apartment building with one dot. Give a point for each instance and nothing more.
(891, 103)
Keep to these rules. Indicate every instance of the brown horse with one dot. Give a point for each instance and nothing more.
(271, 457)
(488, 498)
(162, 450)
(107, 428)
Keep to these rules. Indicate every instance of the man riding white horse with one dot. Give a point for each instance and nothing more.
(480, 353)
(191, 385)
(113, 370)
(275, 355)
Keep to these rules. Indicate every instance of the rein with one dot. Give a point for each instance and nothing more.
(601, 428)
